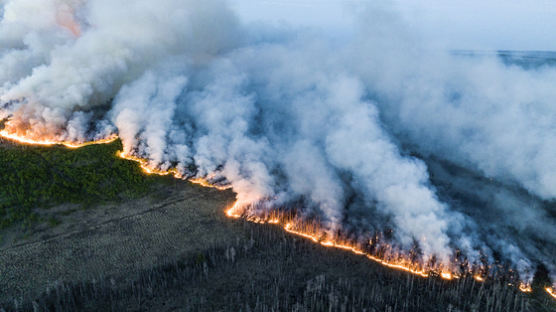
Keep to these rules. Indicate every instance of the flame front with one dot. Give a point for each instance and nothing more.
(50, 142)
(551, 292)
(206, 183)
(398, 265)
(147, 168)
(237, 211)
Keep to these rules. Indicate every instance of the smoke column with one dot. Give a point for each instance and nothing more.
(378, 132)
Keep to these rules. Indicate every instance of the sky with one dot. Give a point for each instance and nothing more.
(457, 24)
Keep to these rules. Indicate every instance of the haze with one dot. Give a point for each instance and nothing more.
(476, 25)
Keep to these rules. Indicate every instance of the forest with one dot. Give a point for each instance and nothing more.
(40, 177)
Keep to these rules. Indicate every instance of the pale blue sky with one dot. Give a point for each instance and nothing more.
(459, 24)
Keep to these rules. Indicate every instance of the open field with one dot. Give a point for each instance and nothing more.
(171, 248)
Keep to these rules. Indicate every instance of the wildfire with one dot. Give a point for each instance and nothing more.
(526, 288)
(237, 211)
(46, 142)
(206, 183)
(551, 292)
(401, 265)
(446, 275)
(147, 168)
(233, 212)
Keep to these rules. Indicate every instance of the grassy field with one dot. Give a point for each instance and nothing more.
(139, 243)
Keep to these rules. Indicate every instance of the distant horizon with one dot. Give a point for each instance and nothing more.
(502, 50)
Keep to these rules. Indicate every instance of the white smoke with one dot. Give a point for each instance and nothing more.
(117, 44)
(293, 116)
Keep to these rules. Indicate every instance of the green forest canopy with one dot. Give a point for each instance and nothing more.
(40, 177)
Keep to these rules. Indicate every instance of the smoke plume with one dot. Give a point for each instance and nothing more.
(379, 132)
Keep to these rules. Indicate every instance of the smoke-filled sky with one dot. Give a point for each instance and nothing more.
(457, 24)
(355, 116)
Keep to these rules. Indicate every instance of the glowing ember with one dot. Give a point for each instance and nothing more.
(479, 278)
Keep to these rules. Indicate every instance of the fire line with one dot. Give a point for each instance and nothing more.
(233, 212)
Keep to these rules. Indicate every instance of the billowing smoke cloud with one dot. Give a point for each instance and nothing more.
(381, 132)
(117, 43)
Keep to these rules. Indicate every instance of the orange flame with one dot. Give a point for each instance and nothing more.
(206, 183)
(400, 265)
(526, 288)
(236, 211)
(147, 168)
(551, 292)
(46, 142)
(446, 275)
(233, 212)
